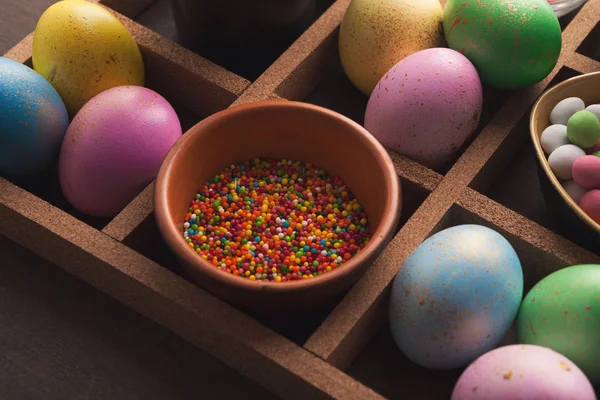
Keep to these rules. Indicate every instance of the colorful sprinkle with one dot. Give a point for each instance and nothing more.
(275, 220)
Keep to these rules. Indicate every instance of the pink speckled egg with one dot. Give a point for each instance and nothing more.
(523, 372)
(114, 147)
(426, 106)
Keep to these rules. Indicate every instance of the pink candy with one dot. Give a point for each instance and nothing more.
(590, 204)
(586, 172)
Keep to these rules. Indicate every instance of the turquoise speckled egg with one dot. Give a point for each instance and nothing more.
(33, 120)
(455, 297)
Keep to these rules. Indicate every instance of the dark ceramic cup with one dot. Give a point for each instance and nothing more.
(232, 32)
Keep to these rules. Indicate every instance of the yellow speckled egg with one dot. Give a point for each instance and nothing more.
(376, 34)
(82, 50)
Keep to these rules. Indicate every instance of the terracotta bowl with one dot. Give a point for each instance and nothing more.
(572, 221)
(286, 130)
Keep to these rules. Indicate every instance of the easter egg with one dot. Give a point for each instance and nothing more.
(574, 190)
(33, 120)
(586, 172)
(562, 312)
(565, 109)
(562, 159)
(512, 44)
(553, 137)
(82, 50)
(455, 297)
(590, 204)
(114, 147)
(426, 106)
(376, 34)
(523, 372)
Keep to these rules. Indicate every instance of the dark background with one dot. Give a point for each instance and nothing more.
(62, 339)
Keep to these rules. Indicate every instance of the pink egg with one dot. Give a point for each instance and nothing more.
(586, 172)
(426, 106)
(114, 147)
(590, 204)
(523, 372)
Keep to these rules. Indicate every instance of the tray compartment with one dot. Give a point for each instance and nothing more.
(249, 62)
(383, 367)
(46, 185)
(145, 239)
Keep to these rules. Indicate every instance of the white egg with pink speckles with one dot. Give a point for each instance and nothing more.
(523, 372)
(426, 106)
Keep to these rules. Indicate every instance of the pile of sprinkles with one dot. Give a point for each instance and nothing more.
(275, 220)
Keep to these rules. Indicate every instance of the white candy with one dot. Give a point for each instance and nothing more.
(553, 137)
(594, 109)
(574, 190)
(561, 160)
(186, 225)
(565, 109)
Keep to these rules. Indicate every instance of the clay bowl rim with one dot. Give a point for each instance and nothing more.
(535, 132)
(172, 235)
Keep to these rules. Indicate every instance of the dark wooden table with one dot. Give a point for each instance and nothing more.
(62, 339)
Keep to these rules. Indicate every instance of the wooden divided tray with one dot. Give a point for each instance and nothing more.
(342, 350)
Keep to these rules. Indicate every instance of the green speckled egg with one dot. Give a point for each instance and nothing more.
(562, 312)
(512, 43)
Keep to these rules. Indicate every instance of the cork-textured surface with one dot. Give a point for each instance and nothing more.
(335, 357)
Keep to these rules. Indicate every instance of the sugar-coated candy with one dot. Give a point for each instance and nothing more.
(553, 137)
(594, 109)
(583, 129)
(565, 109)
(275, 221)
(596, 148)
(586, 172)
(575, 191)
(561, 160)
(590, 204)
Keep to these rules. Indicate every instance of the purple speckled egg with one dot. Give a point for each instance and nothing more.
(114, 147)
(523, 372)
(426, 106)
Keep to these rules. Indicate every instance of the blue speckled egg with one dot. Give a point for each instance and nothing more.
(33, 120)
(456, 297)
